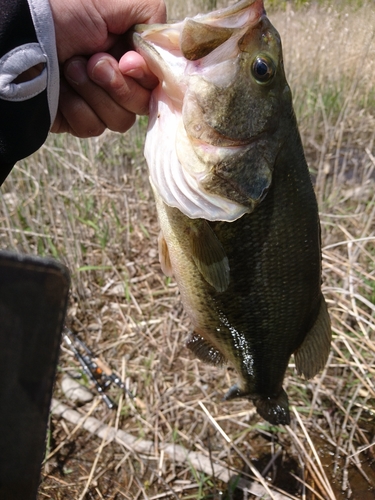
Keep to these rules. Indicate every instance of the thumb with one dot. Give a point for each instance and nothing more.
(121, 15)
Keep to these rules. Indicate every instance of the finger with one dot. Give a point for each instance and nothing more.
(114, 100)
(128, 93)
(132, 64)
(75, 115)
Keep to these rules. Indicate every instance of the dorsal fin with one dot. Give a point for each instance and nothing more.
(198, 39)
(312, 355)
(209, 255)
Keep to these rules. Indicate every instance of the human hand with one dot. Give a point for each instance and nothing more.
(103, 93)
(100, 92)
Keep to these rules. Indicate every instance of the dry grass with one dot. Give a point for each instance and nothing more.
(88, 203)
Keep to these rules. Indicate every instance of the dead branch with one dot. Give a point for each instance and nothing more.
(143, 446)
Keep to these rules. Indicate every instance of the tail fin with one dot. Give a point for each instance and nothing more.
(274, 409)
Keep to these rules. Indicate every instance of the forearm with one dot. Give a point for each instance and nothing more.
(27, 108)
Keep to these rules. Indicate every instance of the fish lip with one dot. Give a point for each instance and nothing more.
(134, 36)
(137, 40)
(232, 10)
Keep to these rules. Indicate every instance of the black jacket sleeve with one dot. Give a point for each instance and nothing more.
(27, 109)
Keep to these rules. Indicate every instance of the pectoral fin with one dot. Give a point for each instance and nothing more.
(312, 355)
(165, 261)
(204, 350)
(209, 255)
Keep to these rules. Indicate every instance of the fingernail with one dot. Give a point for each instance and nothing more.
(103, 72)
(136, 73)
(76, 72)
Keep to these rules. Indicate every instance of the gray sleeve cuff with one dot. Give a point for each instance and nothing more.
(24, 57)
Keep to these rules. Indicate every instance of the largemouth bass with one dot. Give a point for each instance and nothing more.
(239, 221)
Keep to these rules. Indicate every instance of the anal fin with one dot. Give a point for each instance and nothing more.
(312, 355)
(204, 350)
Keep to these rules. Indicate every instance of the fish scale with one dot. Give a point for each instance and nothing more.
(276, 284)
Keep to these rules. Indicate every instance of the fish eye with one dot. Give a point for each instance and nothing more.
(263, 69)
